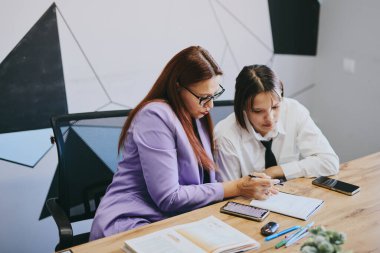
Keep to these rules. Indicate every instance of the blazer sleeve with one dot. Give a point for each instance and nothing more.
(154, 132)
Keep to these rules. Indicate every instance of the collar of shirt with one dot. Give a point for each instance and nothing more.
(279, 129)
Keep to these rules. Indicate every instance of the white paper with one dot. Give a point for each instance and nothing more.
(206, 235)
(289, 204)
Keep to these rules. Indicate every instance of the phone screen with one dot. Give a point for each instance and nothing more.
(345, 186)
(334, 184)
(245, 211)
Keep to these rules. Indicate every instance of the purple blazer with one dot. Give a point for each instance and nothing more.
(158, 176)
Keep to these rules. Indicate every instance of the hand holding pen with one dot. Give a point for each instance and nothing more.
(262, 185)
(269, 190)
(263, 175)
(258, 188)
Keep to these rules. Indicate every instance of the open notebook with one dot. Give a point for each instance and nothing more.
(289, 204)
(206, 235)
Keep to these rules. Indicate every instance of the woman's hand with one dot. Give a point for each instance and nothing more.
(259, 186)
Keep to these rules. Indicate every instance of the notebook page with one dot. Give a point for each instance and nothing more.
(289, 204)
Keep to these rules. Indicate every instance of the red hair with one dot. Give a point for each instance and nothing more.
(189, 66)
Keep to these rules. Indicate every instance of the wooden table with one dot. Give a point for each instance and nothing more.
(358, 216)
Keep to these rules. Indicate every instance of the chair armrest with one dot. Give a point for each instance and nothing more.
(65, 230)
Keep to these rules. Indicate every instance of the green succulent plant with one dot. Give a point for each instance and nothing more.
(324, 241)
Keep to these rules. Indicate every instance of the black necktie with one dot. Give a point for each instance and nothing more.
(270, 159)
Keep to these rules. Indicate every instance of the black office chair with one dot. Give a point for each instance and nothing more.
(87, 158)
(222, 108)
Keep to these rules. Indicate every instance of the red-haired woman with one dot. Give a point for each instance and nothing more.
(167, 146)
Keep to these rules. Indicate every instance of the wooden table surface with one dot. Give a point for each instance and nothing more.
(358, 216)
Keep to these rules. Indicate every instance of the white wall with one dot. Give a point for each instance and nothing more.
(22, 196)
(346, 105)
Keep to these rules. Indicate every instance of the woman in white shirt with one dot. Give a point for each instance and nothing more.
(263, 115)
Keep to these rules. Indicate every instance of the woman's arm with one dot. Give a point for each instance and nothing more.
(317, 156)
(275, 172)
(155, 134)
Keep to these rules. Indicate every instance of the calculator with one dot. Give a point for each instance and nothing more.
(244, 211)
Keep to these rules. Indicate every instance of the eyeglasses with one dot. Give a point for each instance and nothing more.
(204, 100)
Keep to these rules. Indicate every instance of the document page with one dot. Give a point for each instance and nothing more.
(206, 235)
(289, 204)
(213, 235)
(164, 241)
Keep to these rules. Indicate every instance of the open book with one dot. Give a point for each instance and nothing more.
(292, 205)
(206, 235)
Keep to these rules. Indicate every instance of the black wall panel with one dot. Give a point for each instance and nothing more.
(31, 79)
(294, 26)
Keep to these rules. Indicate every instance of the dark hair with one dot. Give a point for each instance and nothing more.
(189, 66)
(251, 81)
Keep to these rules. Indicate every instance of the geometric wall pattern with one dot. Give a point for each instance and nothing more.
(31, 91)
(26, 148)
(31, 79)
(34, 87)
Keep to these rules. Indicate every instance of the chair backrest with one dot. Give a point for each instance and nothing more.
(222, 108)
(87, 145)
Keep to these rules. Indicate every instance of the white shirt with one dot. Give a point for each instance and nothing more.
(298, 144)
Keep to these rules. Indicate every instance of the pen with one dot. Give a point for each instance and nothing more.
(280, 244)
(283, 242)
(297, 239)
(268, 238)
(275, 181)
(299, 233)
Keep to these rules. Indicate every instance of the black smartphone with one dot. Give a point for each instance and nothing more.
(336, 185)
(244, 211)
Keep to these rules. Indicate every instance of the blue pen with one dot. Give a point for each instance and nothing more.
(306, 233)
(283, 242)
(268, 238)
